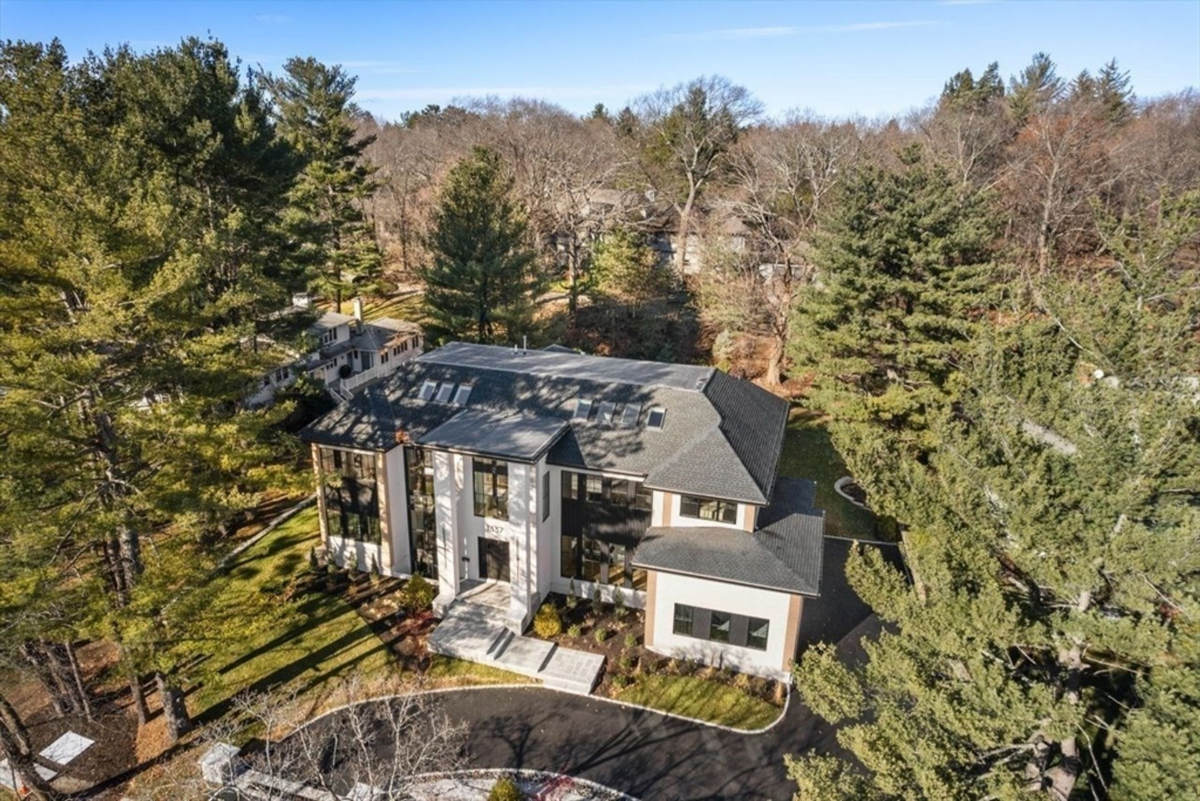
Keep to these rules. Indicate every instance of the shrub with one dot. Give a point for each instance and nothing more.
(376, 573)
(572, 598)
(506, 789)
(600, 634)
(574, 630)
(352, 564)
(313, 563)
(597, 600)
(778, 693)
(685, 667)
(625, 663)
(619, 682)
(742, 681)
(547, 623)
(630, 640)
(417, 594)
(619, 609)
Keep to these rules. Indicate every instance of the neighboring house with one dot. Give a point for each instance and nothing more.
(350, 353)
(551, 470)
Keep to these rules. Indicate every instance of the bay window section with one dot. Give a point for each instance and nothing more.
(490, 484)
(721, 627)
(708, 509)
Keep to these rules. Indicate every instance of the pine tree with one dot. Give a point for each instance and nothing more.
(1048, 645)
(124, 313)
(316, 115)
(479, 279)
(903, 267)
(963, 92)
(1114, 93)
(1034, 89)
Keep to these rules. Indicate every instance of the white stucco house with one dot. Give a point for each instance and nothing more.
(350, 352)
(543, 470)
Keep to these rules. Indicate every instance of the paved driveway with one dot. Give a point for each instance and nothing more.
(654, 756)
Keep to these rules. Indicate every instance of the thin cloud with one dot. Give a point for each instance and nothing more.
(796, 30)
(274, 19)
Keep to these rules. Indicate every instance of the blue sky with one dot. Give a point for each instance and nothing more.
(835, 58)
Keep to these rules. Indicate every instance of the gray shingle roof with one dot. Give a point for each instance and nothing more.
(784, 556)
(721, 438)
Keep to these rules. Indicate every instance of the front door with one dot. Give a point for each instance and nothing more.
(493, 559)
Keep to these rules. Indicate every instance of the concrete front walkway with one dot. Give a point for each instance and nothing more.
(476, 632)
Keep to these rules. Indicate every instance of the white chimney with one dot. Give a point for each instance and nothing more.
(358, 312)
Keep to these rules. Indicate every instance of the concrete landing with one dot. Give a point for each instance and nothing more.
(477, 633)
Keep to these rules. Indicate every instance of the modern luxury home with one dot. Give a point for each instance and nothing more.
(546, 471)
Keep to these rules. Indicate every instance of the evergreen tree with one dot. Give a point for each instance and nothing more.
(1048, 644)
(962, 91)
(479, 280)
(1034, 89)
(316, 115)
(1114, 93)
(903, 266)
(124, 313)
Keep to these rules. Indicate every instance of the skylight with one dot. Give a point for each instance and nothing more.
(461, 396)
(630, 415)
(656, 418)
(427, 390)
(604, 412)
(445, 391)
(583, 407)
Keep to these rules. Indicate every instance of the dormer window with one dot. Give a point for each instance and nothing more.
(604, 412)
(656, 418)
(583, 408)
(445, 391)
(427, 390)
(462, 395)
(329, 336)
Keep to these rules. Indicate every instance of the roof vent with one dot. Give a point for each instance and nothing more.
(656, 418)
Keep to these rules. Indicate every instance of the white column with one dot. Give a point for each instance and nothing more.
(446, 490)
(520, 520)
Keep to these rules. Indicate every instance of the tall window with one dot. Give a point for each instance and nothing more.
(422, 514)
(707, 509)
(545, 499)
(351, 495)
(684, 616)
(490, 480)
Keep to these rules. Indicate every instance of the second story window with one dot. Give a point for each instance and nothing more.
(329, 336)
(708, 509)
(490, 484)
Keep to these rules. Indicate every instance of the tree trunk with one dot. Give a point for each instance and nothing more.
(139, 698)
(685, 221)
(84, 703)
(61, 659)
(36, 656)
(774, 373)
(174, 707)
(15, 747)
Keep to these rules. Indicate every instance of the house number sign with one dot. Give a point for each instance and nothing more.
(493, 528)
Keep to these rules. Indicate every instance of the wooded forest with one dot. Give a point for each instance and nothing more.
(994, 301)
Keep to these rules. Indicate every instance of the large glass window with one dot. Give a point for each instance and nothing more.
(422, 515)
(490, 480)
(684, 616)
(707, 509)
(351, 495)
(545, 499)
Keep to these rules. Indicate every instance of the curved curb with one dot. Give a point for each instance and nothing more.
(526, 773)
(614, 701)
(843, 481)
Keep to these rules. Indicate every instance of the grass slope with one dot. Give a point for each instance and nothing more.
(809, 453)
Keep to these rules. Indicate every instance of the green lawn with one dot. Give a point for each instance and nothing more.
(809, 453)
(705, 700)
(310, 642)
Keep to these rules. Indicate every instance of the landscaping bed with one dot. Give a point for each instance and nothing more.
(636, 675)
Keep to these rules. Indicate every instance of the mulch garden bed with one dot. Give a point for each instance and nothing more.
(617, 634)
